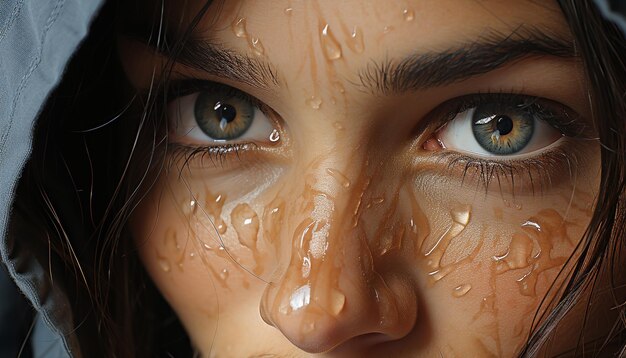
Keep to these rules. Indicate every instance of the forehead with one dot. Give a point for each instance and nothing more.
(327, 39)
(312, 47)
(347, 28)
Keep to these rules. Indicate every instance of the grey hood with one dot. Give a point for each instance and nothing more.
(37, 39)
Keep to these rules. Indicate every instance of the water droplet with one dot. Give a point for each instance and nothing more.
(517, 256)
(289, 11)
(461, 290)
(547, 226)
(206, 246)
(488, 303)
(337, 302)
(339, 177)
(164, 264)
(330, 45)
(224, 274)
(300, 298)
(214, 205)
(246, 223)
(221, 252)
(257, 46)
(460, 218)
(461, 214)
(314, 102)
(339, 87)
(306, 267)
(239, 27)
(409, 14)
(388, 29)
(192, 255)
(190, 207)
(275, 136)
(441, 273)
(355, 41)
(272, 223)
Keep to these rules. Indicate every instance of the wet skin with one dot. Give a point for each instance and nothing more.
(358, 215)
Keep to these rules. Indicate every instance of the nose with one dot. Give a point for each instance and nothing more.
(330, 292)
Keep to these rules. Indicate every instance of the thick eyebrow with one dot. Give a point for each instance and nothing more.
(212, 59)
(490, 52)
(207, 56)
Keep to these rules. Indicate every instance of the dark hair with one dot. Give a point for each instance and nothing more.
(81, 210)
(602, 48)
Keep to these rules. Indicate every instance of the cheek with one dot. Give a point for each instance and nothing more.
(490, 276)
(322, 243)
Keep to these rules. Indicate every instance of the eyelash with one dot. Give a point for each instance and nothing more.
(543, 108)
(486, 170)
(216, 154)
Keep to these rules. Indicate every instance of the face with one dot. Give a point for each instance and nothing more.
(365, 178)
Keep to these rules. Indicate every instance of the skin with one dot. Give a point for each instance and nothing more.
(352, 235)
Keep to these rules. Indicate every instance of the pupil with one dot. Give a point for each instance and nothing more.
(504, 125)
(227, 112)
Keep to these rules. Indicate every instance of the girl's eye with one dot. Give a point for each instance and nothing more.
(500, 129)
(217, 115)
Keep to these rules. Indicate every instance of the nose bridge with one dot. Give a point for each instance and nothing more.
(329, 290)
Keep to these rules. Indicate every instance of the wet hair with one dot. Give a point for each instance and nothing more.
(95, 156)
(602, 48)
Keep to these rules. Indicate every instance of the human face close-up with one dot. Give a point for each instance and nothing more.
(367, 178)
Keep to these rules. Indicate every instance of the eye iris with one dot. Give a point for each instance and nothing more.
(502, 132)
(223, 118)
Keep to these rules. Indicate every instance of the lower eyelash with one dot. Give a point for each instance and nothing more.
(530, 176)
(218, 154)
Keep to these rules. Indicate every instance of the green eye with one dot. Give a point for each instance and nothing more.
(500, 125)
(502, 132)
(222, 117)
(217, 115)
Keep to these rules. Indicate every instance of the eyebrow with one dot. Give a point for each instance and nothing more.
(212, 59)
(413, 73)
(435, 69)
(205, 55)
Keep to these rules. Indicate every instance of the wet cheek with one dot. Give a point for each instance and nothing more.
(492, 274)
(202, 244)
(322, 243)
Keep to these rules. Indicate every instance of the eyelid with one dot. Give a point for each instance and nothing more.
(179, 88)
(184, 87)
(556, 114)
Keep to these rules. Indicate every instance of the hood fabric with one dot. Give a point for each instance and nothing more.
(37, 39)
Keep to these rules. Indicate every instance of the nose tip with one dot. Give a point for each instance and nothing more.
(318, 319)
(322, 304)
